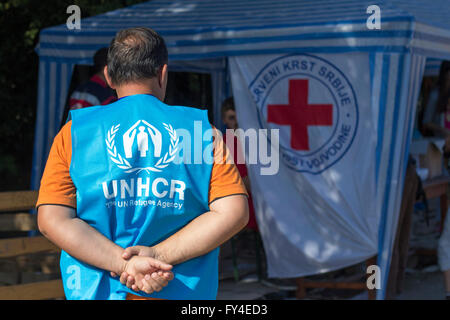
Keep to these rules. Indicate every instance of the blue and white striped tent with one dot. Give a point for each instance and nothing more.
(202, 34)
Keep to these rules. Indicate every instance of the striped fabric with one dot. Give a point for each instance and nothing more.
(395, 90)
(53, 85)
(197, 29)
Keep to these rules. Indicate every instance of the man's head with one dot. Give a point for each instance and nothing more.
(138, 57)
(229, 114)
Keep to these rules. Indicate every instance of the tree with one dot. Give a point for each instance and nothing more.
(21, 22)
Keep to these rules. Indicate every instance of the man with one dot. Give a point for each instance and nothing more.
(95, 91)
(94, 200)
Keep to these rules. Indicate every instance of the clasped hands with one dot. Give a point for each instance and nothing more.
(143, 270)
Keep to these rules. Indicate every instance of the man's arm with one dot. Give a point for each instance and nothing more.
(61, 226)
(227, 216)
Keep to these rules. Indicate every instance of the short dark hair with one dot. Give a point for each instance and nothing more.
(227, 104)
(136, 54)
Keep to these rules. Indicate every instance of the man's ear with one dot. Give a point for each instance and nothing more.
(163, 76)
(108, 79)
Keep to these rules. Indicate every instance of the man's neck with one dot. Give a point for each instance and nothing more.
(130, 89)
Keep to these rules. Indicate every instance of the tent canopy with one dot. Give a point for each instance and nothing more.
(198, 29)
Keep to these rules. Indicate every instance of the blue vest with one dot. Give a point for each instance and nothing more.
(134, 186)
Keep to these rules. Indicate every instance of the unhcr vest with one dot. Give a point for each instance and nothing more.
(142, 171)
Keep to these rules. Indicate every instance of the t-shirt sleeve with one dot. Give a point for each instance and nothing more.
(56, 184)
(225, 177)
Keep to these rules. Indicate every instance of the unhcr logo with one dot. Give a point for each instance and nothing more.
(140, 134)
(144, 148)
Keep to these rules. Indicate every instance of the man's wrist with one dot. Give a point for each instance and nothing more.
(159, 254)
(123, 265)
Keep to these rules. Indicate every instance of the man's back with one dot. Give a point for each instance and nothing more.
(137, 200)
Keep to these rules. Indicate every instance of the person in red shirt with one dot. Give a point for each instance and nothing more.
(96, 91)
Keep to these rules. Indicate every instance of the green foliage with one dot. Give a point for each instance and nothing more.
(21, 21)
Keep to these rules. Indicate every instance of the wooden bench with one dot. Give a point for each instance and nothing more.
(29, 266)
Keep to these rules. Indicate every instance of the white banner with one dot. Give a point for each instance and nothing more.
(318, 212)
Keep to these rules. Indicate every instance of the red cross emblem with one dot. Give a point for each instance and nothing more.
(298, 114)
